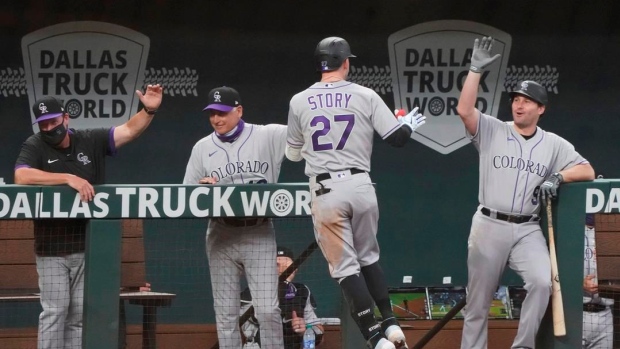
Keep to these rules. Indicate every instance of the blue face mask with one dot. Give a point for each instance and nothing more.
(54, 136)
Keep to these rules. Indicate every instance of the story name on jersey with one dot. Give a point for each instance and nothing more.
(239, 167)
(157, 202)
(329, 100)
(504, 161)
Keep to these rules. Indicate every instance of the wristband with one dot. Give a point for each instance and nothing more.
(150, 112)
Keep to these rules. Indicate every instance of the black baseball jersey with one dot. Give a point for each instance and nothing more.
(293, 296)
(84, 158)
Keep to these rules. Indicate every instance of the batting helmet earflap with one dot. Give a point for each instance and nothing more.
(330, 53)
(531, 89)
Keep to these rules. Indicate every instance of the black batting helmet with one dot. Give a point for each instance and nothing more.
(531, 89)
(330, 53)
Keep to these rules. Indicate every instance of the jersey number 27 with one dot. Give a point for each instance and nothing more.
(326, 128)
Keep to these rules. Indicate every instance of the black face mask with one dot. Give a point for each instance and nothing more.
(54, 136)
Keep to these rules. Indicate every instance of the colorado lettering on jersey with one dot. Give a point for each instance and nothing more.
(233, 168)
(520, 164)
(329, 100)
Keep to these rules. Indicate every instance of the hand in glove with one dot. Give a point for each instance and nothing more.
(549, 188)
(481, 55)
(413, 120)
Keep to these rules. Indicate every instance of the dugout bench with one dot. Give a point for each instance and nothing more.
(19, 281)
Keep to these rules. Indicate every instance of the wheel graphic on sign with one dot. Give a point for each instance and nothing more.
(281, 202)
(436, 106)
(73, 108)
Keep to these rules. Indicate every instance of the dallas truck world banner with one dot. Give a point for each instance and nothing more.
(156, 201)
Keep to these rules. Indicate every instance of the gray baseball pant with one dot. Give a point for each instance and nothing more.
(61, 281)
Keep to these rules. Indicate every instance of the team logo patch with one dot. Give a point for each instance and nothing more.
(83, 159)
(216, 97)
(429, 63)
(43, 108)
(524, 85)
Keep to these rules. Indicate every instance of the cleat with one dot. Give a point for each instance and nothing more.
(396, 336)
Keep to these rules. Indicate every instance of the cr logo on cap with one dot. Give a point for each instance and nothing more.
(524, 85)
(217, 97)
(43, 108)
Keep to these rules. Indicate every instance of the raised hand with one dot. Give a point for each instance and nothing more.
(481, 55)
(151, 99)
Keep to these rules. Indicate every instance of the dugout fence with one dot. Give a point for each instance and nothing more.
(154, 235)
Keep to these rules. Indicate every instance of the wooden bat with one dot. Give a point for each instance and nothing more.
(557, 304)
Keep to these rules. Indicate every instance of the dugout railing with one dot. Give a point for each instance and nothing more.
(115, 202)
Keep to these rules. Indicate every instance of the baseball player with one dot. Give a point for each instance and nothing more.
(240, 153)
(331, 126)
(297, 304)
(521, 166)
(598, 322)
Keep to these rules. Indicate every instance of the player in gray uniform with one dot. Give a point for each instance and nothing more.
(521, 166)
(598, 322)
(331, 126)
(240, 153)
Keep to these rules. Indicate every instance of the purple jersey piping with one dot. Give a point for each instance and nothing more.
(111, 143)
(239, 150)
(514, 193)
(224, 150)
(391, 131)
(527, 178)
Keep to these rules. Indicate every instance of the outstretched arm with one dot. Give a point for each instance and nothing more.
(467, 103)
(480, 58)
(133, 128)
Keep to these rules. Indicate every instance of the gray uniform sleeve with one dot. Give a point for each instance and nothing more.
(193, 171)
(487, 126)
(295, 137)
(566, 155)
(383, 120)
(279, 136)
(310, 316)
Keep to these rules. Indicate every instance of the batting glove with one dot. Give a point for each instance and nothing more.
(481, 55)
(549, 189)
(413, 120)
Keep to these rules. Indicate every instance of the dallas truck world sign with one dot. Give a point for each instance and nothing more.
(156, 201)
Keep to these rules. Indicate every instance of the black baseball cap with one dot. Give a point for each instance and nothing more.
(285, 252)
(47, 108)
(223, 99)
(531, 89)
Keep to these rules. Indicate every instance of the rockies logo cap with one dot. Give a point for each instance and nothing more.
(47, 108)
(223, 99)
(285, 252)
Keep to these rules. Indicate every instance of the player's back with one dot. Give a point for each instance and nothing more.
(334, 124)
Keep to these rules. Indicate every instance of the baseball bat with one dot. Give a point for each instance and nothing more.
(285, 274)
(557, 304)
